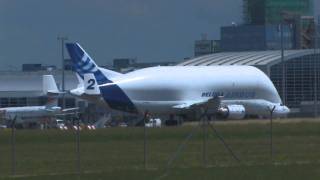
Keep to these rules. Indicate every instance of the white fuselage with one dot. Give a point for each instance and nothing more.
(177, 89)
(27, 112)
(159, 89)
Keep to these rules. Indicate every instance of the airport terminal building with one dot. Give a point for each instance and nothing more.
(301, 74)
(24, 88)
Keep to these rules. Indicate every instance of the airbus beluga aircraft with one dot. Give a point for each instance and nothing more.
(173, 90)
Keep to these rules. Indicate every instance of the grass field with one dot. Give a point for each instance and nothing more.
(117, 153)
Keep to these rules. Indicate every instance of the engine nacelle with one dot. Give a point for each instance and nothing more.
(232, 112)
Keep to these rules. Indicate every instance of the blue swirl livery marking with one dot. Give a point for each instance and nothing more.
(112, 93)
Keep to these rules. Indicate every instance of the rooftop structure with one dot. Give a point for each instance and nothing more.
(259, 12)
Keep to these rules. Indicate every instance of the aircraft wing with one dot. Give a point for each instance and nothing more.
(212, 103)
(70, 109)
(187, 105)
(56, 109)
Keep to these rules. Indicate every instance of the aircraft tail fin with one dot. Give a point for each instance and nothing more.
(90, 85)
(84, 64)
(103, 79)
(49, 85)
(49, 88)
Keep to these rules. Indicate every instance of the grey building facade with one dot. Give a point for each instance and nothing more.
(21, 88)
(256, 37)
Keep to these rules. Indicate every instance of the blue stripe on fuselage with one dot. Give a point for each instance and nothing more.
(114, 95)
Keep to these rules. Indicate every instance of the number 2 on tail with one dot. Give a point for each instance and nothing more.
(91, 83)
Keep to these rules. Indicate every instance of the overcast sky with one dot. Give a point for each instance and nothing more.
(150, 30)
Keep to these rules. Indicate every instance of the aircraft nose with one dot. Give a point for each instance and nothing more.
(286, 109)
(281, 111)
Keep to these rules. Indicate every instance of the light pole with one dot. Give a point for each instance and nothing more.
(62, 39)
(13, 146)
(271, 131)
(283, 79)
(315, 70)
(146, 114)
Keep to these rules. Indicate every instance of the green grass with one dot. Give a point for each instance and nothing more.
(117, 153)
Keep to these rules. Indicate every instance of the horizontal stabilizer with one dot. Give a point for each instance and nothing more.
(91, 85)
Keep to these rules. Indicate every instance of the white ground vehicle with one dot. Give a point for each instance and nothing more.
(156, 122)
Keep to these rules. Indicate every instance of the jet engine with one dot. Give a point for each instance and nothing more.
(232, 112)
